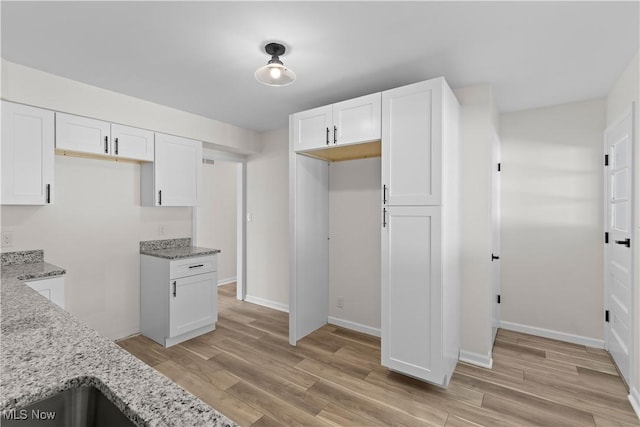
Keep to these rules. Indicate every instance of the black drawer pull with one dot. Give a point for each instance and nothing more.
(196, 266)
(625, 242)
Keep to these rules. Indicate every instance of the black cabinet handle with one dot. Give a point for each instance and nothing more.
(327, 136)
(116, 141)
(384, 194)
(48, 188)
(335, 134)
(625, 242)
(106, 144)
(493, 257)
(196, 266)
(384, 217)
(174, 288)
(160, 197)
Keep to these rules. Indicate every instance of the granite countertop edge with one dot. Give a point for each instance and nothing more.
(180, 252)
(46, 350)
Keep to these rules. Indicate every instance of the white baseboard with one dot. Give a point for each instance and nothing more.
(227, 280)
(354, 326)
(634, 398)
(555, 335)
(267, 303)
(482, 360)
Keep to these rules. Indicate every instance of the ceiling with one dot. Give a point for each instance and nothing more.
(200, 56)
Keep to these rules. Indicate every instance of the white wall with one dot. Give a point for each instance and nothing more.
(477, 134)
(96, 223)
(625, 91)
(268, 232)
(552, 265)
(93, 230)
(34, 87)
(216, 217)
(354, 249)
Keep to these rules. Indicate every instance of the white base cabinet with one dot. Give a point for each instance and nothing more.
(52, 288)
(178, 298)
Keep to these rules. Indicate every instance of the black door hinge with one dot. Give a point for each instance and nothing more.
(498, 299)
(499, 167)
(606, 237)
(606, 160)
(606, 316)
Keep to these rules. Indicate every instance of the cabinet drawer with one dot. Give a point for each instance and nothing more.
(190, 266)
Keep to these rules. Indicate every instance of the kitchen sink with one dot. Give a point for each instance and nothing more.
(76, 407)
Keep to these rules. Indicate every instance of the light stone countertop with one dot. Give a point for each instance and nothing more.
(46, 350)
(174, 249)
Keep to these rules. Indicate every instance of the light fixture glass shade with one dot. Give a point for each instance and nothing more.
(274, 74)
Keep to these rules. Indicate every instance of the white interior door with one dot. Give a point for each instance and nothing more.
(618, 251)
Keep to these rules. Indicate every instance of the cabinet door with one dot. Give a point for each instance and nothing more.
(411, 292)
(192, 303)
(52, 289)
(357, 120)
(81, 134)
(177, 171)
(312, 128)
(27, 155)
(132, 143)
(412, 144)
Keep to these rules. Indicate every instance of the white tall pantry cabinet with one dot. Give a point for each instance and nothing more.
(420, 221)
(421, 231)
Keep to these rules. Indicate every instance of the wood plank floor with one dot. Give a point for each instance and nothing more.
(247, 370)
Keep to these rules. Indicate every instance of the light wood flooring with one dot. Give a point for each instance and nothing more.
(247, 370)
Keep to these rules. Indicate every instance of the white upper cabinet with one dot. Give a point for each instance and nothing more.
(412, 144)
(175, 176)
(357, 120)
(348, 122)
(27, 155)
(91, 136)
(132, 143)
(311, 128)
(82, 134)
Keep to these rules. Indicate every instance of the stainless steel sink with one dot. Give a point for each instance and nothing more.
(76, 407)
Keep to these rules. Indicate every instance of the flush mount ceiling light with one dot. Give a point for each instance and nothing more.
(275, 73)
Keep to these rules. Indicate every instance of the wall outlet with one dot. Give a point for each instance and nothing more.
(7, 239)
(249, 217)
(340, 302)
(161, 230)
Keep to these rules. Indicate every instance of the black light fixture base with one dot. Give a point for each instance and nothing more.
(275, 49)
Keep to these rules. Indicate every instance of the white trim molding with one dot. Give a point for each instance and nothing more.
(267, 303)
(227, 280)
(634, 398)
(482, 360)
(555, 335)
(358, 327)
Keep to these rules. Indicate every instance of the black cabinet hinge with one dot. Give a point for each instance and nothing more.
(606, 237)
(498, 299)
(499, 167)
(606, 316)
(606, 160)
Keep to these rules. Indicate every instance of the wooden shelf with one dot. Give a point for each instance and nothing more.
(347, 152)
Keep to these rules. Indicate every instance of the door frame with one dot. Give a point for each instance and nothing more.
(210, 155)
(631, 112)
